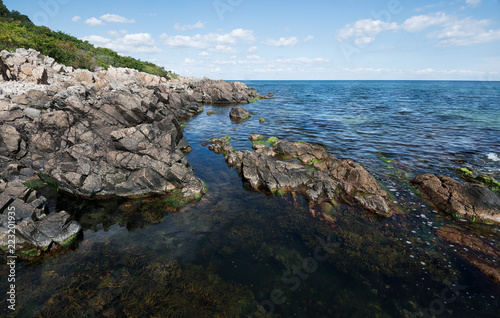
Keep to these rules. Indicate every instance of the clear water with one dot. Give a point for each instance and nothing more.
(273, 248)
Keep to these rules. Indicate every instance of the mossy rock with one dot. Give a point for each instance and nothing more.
(487, 181)
(35, 184)
(272, 140)
(262, 120)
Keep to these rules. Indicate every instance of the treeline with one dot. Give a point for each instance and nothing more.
(17, 31)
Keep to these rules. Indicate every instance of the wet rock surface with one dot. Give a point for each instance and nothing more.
(453, 197)
(310, 170)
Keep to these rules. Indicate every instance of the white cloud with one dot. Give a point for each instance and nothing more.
(114, 18)
(425, 71)
(117, 34)
(422, 22)
(473, 3)
(204, 54)
(94, 21)
(253, 49)
(76, 18)
(287, 42)
(449, 30)
(96, 39)
(218, 42)
(366, 28)
(253, 57)
(465, 32)
(130, 43)
(365, 40)
(197, 25)
(282, 42)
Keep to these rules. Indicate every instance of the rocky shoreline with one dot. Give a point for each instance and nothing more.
(108, 133)
(117, 133)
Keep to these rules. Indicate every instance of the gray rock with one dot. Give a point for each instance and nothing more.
(238, 113)
(317, 174)
(466, 199)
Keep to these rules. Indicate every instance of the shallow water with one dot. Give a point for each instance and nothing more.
(235, 247)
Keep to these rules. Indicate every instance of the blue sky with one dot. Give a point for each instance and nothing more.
(243, 39)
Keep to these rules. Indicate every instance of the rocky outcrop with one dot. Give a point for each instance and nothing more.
(103, 133)
(310, 170)
(238, 113)
(453, 197)
(209, 91)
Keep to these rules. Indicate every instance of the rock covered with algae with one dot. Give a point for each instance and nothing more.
(311, 170)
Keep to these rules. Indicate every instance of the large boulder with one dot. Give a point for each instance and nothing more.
(453, 197)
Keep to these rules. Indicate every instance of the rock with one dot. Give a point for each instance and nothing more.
(319, 176)
(103, 133)
(453, 197)
(254, 137)
(475, 249)
(238, 113)
(26, 210)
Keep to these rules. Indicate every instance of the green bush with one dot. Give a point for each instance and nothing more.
(17, 31)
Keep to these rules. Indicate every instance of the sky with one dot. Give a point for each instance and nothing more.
(290, 40)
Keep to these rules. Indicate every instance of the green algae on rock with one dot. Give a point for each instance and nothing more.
(330, 179)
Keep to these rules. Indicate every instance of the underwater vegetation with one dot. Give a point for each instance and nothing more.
(129, 285)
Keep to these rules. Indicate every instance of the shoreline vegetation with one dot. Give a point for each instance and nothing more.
(19, 32)
(90, 125)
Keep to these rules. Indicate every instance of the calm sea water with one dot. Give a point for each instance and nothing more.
(279, 251)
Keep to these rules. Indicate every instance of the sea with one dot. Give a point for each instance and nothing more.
(241, 253)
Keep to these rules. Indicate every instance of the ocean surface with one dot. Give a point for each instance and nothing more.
(248, 253)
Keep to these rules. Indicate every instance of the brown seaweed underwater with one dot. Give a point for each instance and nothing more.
(237, 252)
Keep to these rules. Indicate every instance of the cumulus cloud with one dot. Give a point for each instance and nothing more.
(76, 18)
(96, 39)
(197, 25)
(422, 22)
(449, 30)
(465, 32)
(219, 42)
(114, 18)
(252, 49)
(204, 54)
(130, 43)
(473, 3)
(286, 42)
(117, 34)
(94, 21)
(367, 28)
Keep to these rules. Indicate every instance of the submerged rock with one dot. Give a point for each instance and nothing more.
(475, 249)
(453, 197)
(310, 170)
